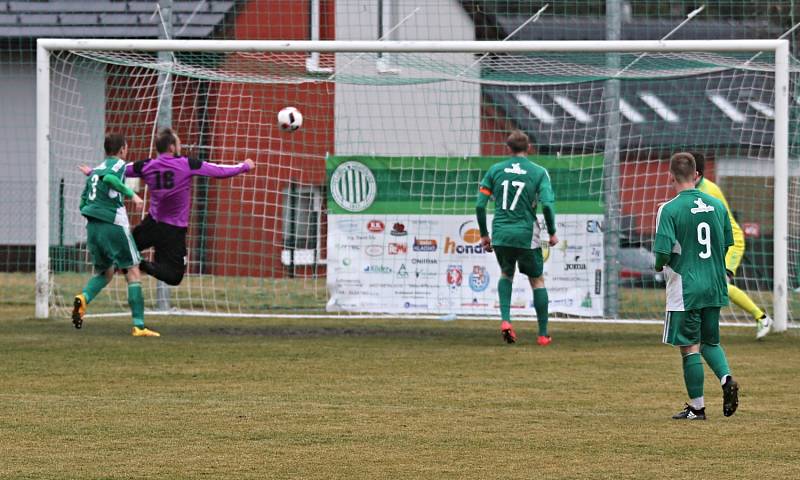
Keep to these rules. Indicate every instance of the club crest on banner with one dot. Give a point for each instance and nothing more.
(353, 186)
(479, 278)
(455, 276)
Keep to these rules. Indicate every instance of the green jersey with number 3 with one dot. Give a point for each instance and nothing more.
(518, 186)
(694, 229)
(100, 201)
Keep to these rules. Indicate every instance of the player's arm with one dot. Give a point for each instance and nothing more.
(214, 170)
(135, 169)
(484, 194)
(547, 199)
(727, 229)
(665, 239)
(117, 184)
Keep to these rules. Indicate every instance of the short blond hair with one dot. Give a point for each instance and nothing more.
(518, 141)
(683, 167)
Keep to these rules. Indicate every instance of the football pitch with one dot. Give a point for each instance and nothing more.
(311, 398)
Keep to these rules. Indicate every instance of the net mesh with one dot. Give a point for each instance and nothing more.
(427, 125)
(22, 22)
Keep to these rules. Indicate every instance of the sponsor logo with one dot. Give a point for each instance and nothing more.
(455, 275)
(346, 262)
(397, 248)
(563, 302)
(594, 226)
(424, 261)
(374, 250)
(569, 280)
(567, 249)
(474, 303)
(377, 269)
(360, 238)
(402, 272)
(469, 235)
(415, 305)
(347, 226)
(701, 207)
(424, 245)
(596, 252)
(556, 289)
(598, 281)
(478, 279)
(347, 246)
(451, 247)
(424, 274)
(574, 266)
(375, 226)
(398, 230)
(515, 169)
(353, 186)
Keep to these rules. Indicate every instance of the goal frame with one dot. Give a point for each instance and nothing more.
(780, 48)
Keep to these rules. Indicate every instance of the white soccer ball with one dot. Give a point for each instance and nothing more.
(290, 119)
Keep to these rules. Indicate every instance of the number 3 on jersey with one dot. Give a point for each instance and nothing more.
(704, 239)
(519, 186)
(93, 194)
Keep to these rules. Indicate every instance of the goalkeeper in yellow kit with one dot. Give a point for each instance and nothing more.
(734, 257)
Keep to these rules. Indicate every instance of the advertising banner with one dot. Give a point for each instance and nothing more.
(405, 240)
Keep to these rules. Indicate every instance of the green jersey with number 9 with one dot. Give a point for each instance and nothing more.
(518, 186)
(694, 229)
(100, 201)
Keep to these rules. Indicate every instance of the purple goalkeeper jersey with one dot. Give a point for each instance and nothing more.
(169, 180)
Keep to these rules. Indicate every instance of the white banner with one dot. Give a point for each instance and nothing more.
(434, 264)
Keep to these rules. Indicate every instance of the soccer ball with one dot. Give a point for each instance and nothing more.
(290, 119)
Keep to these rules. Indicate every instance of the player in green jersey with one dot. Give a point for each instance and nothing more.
(693, 234)
(517, 186)
(108, 235)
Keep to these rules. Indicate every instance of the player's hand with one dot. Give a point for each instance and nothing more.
(137, 200)
(251, 165)
(85, 169)
(486, 244)
(553, 241)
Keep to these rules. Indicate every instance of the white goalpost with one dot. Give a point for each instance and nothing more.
(366, 208)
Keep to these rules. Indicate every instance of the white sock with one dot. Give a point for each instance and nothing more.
(724, 379)
(697, 403)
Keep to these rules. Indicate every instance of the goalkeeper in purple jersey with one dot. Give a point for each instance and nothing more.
(169, 178)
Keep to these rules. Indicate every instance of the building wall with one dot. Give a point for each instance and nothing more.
(76, 137)
(18, 157)
(244, 125)
(425, 118)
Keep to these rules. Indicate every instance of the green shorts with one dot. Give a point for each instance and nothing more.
(530, 261)
(111, 245)
(692, 327)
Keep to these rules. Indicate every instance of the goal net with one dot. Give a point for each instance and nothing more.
(369, 207)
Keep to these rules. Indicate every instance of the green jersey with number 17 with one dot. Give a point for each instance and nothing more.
(694, 229)
(100, 201)
(518, 186)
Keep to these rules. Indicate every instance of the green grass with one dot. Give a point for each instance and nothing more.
(285, 295)
(333, 399)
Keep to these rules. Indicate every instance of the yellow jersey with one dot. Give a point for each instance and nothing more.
(735, 252)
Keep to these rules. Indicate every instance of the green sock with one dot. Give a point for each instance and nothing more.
(504, 294)
(136, 301)
(541, 303)
(693, 375)
(715, 358)
(94, 286)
